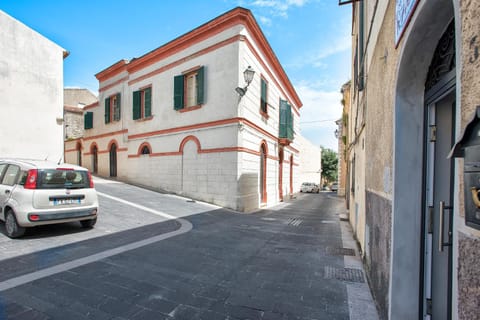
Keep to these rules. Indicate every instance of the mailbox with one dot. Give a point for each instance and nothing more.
(468, 147)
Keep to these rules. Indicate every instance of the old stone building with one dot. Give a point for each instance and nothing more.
(415, 87)
(74, 100)
(342, 136)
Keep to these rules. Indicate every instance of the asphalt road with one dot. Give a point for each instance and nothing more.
(160, 256)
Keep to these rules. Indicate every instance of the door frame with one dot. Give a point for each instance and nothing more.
(113, 159)
(280, 174)
(263, 173)
(444, 88)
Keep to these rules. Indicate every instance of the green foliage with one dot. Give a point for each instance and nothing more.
(329, 165)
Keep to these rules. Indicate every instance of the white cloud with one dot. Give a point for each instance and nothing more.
(265, 21)
(278, 7)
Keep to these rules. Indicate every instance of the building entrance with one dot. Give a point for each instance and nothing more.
(438, 209)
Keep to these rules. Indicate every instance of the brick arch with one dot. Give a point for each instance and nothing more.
(190, 138)
(93, 145)
(264, 145)
(111, 143)
(144, 144)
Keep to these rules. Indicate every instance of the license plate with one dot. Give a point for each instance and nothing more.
(59, 202)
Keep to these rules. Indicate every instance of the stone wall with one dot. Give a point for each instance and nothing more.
(378, 216)
(468, 270)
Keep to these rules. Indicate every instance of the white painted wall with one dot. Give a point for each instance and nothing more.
(221, 163)
(310, 161)
(31, 92)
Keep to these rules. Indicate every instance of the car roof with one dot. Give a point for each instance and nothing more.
(40, 164)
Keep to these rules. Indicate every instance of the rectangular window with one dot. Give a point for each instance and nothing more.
(286, 120)
(88, 120)
(142, 103)
(263, 96)
(188, 89)
(112, 108)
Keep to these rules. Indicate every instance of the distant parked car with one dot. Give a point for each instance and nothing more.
(334, 187)
(309, 187)
(38, 192)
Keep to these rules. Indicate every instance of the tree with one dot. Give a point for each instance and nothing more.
(329, 165)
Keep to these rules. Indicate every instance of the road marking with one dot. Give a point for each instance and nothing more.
(185, 226)
(158, 213)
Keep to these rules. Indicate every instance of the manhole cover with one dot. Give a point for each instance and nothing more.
(344, 274)
(295, 222)
(340, 251)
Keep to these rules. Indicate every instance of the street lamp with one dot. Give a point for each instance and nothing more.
(248, 76)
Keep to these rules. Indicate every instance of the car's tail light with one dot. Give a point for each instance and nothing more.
(31, 181)
(90, 180)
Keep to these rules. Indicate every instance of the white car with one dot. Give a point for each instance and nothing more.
(334, 187)
(39, 192)
(309, 187)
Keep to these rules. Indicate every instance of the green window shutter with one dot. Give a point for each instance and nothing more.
(107, 110)
(148, 102)
(88, 120)
(263, 96)
(117, 108)
(178, 92)
(137, 104)
(283, 119)
(289, 122)
(200, 85)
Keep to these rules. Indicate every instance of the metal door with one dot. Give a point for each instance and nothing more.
(439, 209)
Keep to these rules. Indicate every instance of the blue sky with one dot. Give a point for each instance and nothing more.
(311, 38)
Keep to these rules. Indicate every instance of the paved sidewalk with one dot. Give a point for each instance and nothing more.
(296, 261)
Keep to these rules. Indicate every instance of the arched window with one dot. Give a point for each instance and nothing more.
(113, 160)
(94, 159)
(145, 150)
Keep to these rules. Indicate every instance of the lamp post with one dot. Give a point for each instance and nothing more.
(248, 77)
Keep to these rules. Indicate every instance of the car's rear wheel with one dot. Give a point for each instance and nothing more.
(12, 227)
(87, 224)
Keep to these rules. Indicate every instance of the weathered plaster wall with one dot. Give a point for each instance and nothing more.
(381, 79)
(379, 164)
(379, 213)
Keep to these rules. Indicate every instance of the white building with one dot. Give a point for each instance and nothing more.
(310, 168)
(175, 118)
(31, 91)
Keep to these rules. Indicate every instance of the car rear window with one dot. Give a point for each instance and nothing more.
(69, 179)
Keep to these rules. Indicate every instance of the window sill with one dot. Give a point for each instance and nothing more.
(112, 122)
(144, 119)
(264, 115)
(284, 141)
(188, 109)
